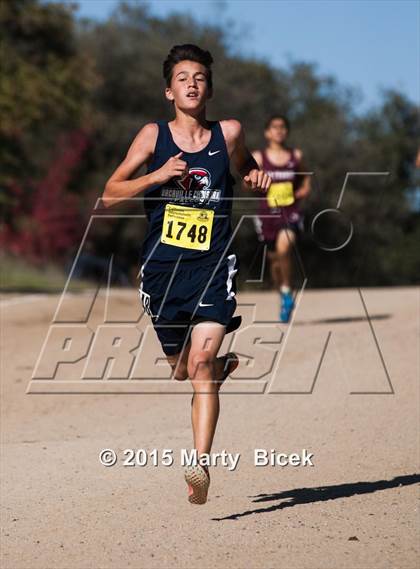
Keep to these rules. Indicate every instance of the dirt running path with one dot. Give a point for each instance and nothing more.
(357, 507)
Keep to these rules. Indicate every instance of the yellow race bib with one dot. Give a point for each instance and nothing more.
(187, 227)
(280, 194)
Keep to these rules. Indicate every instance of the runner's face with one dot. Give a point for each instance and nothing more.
(189, 89)
(276, 132)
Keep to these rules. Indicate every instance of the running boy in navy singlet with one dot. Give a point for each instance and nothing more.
(280, 218)
(188, 268)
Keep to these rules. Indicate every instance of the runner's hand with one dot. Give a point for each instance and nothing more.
(174, 167)
(258, 180)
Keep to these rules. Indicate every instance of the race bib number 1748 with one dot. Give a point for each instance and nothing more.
(187, 227)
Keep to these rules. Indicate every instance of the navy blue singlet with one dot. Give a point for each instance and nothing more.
(208, 185)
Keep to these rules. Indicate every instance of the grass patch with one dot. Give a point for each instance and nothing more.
(18, 276)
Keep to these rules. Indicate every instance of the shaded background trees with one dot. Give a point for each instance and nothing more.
(73, 94)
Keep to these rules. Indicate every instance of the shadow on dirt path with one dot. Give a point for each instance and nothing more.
(321, 494)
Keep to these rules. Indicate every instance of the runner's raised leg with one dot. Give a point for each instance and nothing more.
(286, 239)
(275, 269)
(179, 365)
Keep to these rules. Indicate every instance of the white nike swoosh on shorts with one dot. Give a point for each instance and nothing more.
(215, 152)
(202, 304)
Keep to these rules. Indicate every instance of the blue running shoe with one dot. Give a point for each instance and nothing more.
(287, 306)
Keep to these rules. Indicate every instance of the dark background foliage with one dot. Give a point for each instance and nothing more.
(73, 95)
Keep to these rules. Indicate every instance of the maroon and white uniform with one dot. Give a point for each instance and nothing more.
(279, 209)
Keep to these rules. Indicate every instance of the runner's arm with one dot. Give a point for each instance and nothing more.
(119, 187)
(256, 154)
(245, 163)
(305, 185)
(258, 158)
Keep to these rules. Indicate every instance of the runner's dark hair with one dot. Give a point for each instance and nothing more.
(279, 116)
(190, 52)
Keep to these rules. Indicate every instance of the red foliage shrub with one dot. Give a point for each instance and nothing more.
(43, 221)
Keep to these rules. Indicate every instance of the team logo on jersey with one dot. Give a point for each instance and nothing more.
(197, 182)
(193, 188)
(196, 179)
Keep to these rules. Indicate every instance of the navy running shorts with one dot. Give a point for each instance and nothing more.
(188, 293)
